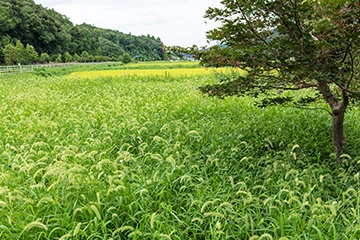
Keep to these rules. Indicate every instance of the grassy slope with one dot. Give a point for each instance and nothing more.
(152, 158)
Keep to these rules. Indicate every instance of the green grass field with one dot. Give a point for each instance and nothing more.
(153, 158)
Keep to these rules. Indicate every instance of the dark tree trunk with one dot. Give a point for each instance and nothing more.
(338, 113)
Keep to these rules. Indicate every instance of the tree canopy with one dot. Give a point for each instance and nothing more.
(289, 45)
(53, 33)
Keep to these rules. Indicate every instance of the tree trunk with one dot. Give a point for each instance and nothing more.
(338, 113)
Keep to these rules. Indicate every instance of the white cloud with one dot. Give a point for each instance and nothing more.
(176, 22)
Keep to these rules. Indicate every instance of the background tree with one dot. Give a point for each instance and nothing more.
(10, 54)
(76, 58)
(20, 50)
(51, 32)
(30, 55)
(126, 58)
(68, 57)
(91, 58)
(84, 56)
(44, 58)
(6, 18)
(58, 58)
(290, 45)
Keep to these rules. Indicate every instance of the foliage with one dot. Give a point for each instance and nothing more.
(76, 58)
(30, 55)
(126, 58)
(10, 54)
(6, 19)
(290, 45)
(179, 52)
(18, 54)
(58, 58)
(85, 56)
(44, 58)
(67, 57)
(53, 33)
(149, 158)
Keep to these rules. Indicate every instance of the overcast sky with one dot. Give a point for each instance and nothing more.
(176, 22)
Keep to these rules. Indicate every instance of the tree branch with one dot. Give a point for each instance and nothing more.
(285, 88)
(356, 93)
(352, 69)
(298, 24)
(346, 53)
(251, 27)
(328, 95)
(315, 108)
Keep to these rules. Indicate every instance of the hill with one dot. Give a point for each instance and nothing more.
(53, 33)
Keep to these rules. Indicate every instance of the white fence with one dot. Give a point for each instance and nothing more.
(30, 68)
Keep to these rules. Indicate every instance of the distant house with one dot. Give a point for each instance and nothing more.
(180, 56)
(173, 57)
(188, 57)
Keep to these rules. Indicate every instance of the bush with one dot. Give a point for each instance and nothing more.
(126, 58)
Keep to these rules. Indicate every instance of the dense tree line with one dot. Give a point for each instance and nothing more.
(28, 28)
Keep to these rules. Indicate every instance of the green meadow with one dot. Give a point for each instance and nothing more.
(150, 157)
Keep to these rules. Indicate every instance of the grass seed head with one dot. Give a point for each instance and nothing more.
(36, 224)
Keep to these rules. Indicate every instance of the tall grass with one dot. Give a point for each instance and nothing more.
(62, 71)
(158, 73)
(152, 158)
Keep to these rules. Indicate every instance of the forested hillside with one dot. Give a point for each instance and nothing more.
(24, 24)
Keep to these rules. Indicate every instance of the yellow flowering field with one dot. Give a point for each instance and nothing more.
(151, 72)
